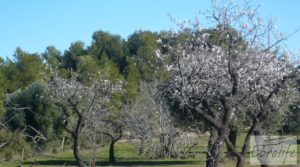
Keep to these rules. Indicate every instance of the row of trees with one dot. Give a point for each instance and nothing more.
(225, 79)
(85, 90)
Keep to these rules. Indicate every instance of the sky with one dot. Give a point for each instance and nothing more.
(35, 24)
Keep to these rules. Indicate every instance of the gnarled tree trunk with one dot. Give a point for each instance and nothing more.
(232, 137)
(258, 132)
(213, 149)
(113, 140)
(142, 145)
(112, 158)
(76, 150)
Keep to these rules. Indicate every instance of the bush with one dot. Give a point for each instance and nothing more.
(14, 147)
(8, 155)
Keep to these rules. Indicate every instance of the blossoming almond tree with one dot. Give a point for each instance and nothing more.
(149, 117)
(79, 102)
(220, 82)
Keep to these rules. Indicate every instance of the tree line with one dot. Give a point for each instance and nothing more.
(164, 85)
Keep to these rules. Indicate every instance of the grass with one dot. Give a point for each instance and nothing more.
(126, 155)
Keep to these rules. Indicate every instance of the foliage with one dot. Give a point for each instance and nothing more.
(30, 107)
(24, 70)
(88, 68)
(71, 56)
(292, 122)
(13, 149)
(3, 83)
(142, 46)
(52, 56)
(112, 46)
(132, 79)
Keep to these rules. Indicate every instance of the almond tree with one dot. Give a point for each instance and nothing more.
(77, 102)
(93, 129)
(114, 130)
(222, 82)
(149, 117)
(139, 118)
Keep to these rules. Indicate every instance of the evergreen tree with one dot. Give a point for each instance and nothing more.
(31, 107)
(112, 46)
(132, 79)
(71, 56)
(142, 46)
(53, 57)
(24, 70)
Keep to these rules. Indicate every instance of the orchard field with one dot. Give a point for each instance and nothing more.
(191, 96)
(126, 154)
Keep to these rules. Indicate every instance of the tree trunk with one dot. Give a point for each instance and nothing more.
(62, 144)
(76, 151)
(94, 149)
(131, 136)
(240, 161)
(142, 145)
(113, 140)
(245, 148)
(162, 153)
(232, 137)
(213, 150)
(93, 162)
(112, 152)
(258, 132)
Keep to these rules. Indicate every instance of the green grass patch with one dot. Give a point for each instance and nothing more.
(126, 155)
